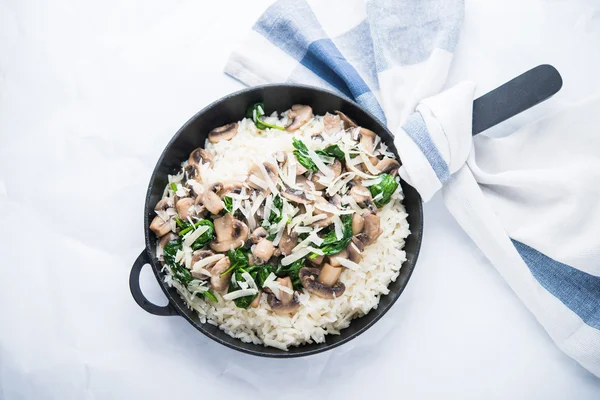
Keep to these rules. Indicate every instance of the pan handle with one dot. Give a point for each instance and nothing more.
(136, 291)
(515, 96)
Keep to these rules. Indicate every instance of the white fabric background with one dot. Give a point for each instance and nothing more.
(90, 92)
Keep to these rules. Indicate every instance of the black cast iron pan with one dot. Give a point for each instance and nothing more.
(500, 104)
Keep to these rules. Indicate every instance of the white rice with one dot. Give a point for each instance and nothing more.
(316, 317)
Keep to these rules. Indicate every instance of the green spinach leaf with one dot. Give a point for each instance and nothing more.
(257, 110)
(386, 187)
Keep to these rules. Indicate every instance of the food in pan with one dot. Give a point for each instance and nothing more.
(283, 228)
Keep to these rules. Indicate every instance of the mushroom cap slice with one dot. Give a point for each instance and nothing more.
(317, 261)
(263, 250)
(159, 226)
(200, 156)
(287, 242)
(199, 255)
(332, 123)
(353, 251)
(348, 123)
(358, 222)
(309, 279)
(278, 307)
(220, 283)
(372, 228)
(225, 132)
(329, 274)
(258, 234)
(294, 195)
(164, 204)
(388, 166)
(334, 260)
(256, 171)
(212, 202)
(166, 239)
(193, 172)
(362, 196)
(183, 207)
(256, 300)
(231, 233)
(287, 302)
(300, 115)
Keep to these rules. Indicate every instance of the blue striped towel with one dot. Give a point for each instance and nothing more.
(533, 214)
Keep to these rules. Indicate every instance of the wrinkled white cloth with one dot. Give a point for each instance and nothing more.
(528, 200)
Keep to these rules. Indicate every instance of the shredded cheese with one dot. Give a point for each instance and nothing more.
(191, 237)
(272, 186)
(198, 265)
(348, 264)
(295, 256)
(240, 293)
(320, 164)
(339, 227)
(259, 182)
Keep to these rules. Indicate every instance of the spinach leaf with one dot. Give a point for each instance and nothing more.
(238, 258)
(228, 202)
(259, 274)
(332, 151)
(302, 156)
(273, 217)
(206, 236)
(292, 271)
(331, 245)
(254, 112)
(386, 187)
(180, 273)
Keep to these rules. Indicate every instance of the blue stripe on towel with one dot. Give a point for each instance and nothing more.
(324, 59)
(577, 290)
(416, 129)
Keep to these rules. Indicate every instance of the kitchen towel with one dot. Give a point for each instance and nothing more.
(527, 200)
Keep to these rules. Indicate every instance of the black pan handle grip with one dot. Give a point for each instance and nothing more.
(136, 291)
(515, 96)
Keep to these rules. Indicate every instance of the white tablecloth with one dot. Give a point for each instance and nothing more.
(90, 92)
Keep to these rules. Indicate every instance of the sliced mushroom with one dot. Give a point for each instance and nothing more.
(166, 239)
(362, 196)
(281, 157)
(287, 302)
(212, 202)
(164, 204)
(287, 242)
(199, 255)
(231, 233)
(192, 172)
(348, 123)
(194, 187)
(200, 156)
(353, 251)
(317, 261)
(257, 172)
(334, 260)
(332, 123)
(329, 274)
(220, 283)
(263, 250)
(372, 228)
(183, 207)
(225, 132)
(336, 167)
(256, 300)
(358, 222)
(322, 222)
(300, 169)
(294, 195)
(258, 234)
(231, 187)
(300, 115)
(309, 279)
(159, 226)
(216, 187)
(388, 166)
